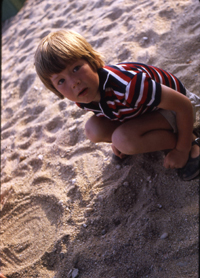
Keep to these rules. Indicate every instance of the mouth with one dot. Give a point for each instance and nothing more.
(83, 92)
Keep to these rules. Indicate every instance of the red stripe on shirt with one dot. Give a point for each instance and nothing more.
(119, 73)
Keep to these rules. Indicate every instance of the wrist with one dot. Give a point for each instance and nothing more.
(184, 144)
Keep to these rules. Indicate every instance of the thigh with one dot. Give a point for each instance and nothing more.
(145, 123)
(147, 133)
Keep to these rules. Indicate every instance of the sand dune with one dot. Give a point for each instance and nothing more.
(67, 207)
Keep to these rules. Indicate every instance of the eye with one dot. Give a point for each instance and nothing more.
(76, 68)
(61, 81)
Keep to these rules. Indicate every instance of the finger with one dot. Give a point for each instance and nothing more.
(166, 164)
(123, 155)
(115, 151)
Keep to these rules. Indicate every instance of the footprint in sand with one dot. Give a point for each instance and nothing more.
(26, 43)
(26, 84)
(54, 125)
(27, 231)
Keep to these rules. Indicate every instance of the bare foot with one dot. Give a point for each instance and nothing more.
(2, 276)
(117, 152)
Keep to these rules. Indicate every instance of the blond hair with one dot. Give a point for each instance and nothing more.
(60, 48)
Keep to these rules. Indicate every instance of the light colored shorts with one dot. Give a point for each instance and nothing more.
(170, 115)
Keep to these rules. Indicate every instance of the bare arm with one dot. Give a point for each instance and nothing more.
(172, 100)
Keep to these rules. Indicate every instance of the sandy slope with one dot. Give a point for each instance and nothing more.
(65, 203)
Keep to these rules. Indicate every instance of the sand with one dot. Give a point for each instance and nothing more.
(67, 208)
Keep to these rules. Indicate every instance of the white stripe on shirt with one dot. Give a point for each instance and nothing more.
(153, 93)
(141, 89)
(117, 77)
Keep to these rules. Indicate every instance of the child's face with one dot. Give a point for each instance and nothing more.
(78, 82)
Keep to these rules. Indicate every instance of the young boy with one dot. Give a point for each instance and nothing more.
(137, 108)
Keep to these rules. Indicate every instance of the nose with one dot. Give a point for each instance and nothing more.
(75, 83)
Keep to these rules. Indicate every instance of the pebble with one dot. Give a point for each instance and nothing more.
(125, 183)
(72, 128)
(73, 181)
(22, 157)
(85, 225)
(75, 273)
(118, 167)
(40, 156)
(148, 178)
(103, 232)
(188, 61)
(160, 206)
(89, 210)
(60, 202)
(164, 235)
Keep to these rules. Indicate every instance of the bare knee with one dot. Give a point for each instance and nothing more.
(100, 129)
(124, 143)
(92, 130)
(119, 140)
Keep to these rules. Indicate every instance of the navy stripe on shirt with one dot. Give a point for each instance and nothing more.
(130, 89)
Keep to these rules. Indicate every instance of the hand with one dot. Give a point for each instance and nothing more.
(176, 159)
(117, 152)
